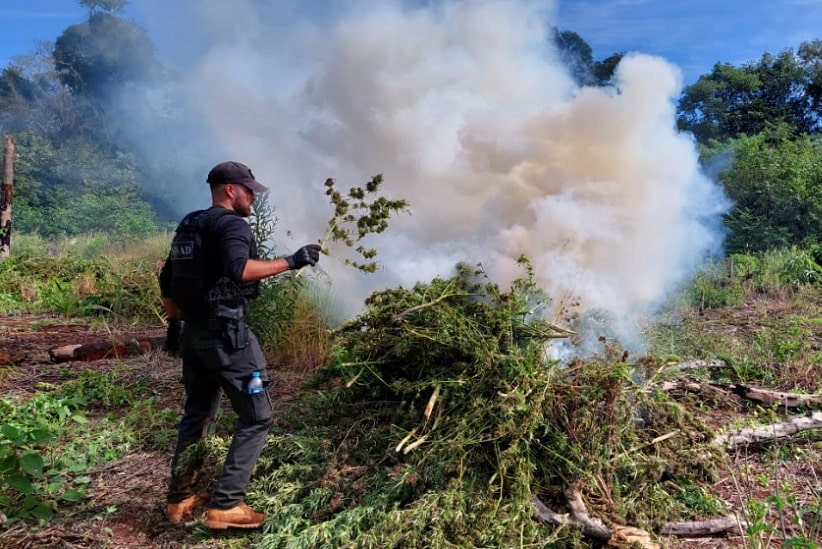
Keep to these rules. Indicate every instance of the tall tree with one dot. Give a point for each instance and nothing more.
(733, 101)
(576, 54)
(105, 52)
(810, 56)
(603, 71)
(33, 99)
(98, 61)
(74, 171)
(18, 95)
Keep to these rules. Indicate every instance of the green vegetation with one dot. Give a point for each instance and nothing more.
(122, 289)
(361, 212)
(778, 90)
(77, 188)
(439, 416)
(50, 442)
(776, 184)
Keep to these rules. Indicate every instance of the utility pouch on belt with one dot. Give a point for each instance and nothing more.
(233, 327)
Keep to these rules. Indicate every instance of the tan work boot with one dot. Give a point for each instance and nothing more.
(178, 512)
(239, 516)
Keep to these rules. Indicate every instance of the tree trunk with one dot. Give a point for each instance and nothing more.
(5, 197)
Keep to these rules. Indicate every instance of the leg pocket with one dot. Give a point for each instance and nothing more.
(236, 372)
(261, 408)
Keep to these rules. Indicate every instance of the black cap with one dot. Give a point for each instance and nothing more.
(234, 172)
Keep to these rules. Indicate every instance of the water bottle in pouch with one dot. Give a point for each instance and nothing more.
(255, 385)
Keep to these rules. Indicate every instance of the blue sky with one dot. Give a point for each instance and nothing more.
(24, 23)
(694, 34)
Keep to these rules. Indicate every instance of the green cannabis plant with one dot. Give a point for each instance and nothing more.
(357, 214)
(441, 415)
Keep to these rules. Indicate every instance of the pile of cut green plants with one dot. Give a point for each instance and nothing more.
(440, 418)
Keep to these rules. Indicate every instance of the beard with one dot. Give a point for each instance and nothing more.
(241, 207)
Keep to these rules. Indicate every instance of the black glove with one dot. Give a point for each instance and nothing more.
(174, 333)
(307, 255)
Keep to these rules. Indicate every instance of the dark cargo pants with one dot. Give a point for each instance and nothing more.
(208, 367)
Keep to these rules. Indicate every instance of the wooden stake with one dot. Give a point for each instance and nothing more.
(6, 196)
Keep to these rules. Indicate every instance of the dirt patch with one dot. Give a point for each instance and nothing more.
(125, 500)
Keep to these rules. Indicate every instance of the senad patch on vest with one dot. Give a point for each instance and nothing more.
(181, 249)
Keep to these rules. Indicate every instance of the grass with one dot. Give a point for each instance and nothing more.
(121, 286)
(92, 246)
(774, 509)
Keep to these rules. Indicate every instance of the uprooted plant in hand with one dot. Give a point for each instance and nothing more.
(357, 214)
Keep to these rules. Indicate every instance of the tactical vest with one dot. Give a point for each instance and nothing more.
(195, 266)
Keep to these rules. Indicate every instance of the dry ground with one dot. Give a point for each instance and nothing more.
(124, 502)
(134, 486)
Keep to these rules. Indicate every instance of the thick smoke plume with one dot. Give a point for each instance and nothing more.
(464, 108)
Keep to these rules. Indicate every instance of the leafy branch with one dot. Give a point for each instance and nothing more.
(357, 214)
(263, 223)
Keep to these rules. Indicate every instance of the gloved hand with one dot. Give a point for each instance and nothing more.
(307, 255)
(174, 333)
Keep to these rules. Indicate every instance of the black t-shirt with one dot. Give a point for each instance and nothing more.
(234, 246)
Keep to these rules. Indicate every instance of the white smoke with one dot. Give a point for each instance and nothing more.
(464, 109)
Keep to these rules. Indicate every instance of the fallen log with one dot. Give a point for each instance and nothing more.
(709, 527)
(684, 384)
(104, 349)
(627, 536)
(697, 364)
(766, 396)
(782, 429)
(758, 394)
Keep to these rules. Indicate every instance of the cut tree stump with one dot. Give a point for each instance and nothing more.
(104, 349)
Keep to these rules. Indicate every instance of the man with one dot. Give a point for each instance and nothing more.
(209, 285)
